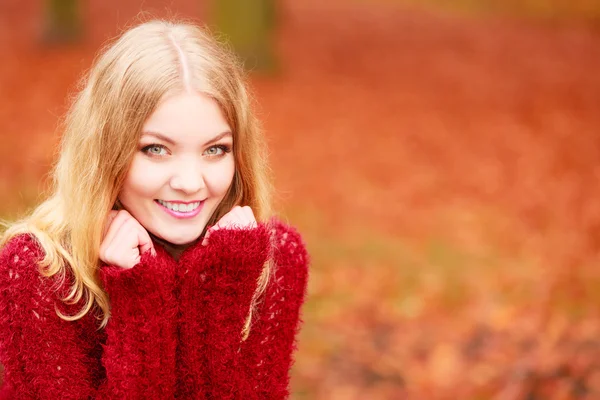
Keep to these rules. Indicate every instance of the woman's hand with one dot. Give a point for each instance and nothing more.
(125, 240)
(238, 217)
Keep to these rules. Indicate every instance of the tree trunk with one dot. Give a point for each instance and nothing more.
(62, 21)
(249, 27)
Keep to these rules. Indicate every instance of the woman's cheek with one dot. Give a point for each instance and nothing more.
(219, 176)
(146, 177)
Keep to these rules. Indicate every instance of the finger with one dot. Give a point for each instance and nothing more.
(109, 219)
(118, 220)
(248, 212)
(239, 213)
(134, 258)
(104, 252)
(226, 220)
(128, 259)
(222, 223)
(138, 235)
(116, 224)
(236, 218)
(241, 218)
(112, 252)
(244, 218)
(123, 249)
(145, 243)
(250, 216)
(126, 245)
(124, 240)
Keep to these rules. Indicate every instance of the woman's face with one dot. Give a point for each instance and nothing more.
(182, 169)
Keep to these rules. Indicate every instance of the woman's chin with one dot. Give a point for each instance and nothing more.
(177, 239)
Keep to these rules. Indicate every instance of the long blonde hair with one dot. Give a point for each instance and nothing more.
(100, 135)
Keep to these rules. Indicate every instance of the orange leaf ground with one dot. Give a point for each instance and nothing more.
(443, 169)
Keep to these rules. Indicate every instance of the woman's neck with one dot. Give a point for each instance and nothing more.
(174, 250)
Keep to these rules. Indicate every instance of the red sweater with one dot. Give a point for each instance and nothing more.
(175, 328)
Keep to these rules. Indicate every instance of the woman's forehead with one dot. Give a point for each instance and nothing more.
(187, 119)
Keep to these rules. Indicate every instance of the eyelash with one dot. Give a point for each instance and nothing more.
(146, 149)
(223, 147)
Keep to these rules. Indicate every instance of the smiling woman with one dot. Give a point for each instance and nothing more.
(183, 169)
(155, 269)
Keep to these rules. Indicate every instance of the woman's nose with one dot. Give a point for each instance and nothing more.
(187, 177)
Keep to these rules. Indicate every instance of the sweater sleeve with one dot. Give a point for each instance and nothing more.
(266, 356)
(139, 355)
(46, 357)
(216, 298)
(216, 294)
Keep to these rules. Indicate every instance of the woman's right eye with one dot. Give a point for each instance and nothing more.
(155, 150)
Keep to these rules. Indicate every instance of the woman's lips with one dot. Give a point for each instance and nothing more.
(182, 207)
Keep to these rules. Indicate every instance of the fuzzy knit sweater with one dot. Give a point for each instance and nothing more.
(175, 326)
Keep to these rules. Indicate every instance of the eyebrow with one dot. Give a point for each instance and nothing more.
(219, 137)
(158, 136)
(171, 142)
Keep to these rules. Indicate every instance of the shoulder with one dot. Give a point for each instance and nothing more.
(19, 261)
(288, 244)
(289, 250)
(21, 249)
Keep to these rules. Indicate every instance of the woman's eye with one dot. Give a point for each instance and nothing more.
(217, 150)
(155, 150)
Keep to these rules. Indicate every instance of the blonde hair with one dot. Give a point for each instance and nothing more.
(100, 136)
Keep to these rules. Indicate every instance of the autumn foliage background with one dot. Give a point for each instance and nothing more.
(442, 160)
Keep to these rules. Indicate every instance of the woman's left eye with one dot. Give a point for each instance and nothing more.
(217, 150)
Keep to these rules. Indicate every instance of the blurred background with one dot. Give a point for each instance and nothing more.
(441, 159)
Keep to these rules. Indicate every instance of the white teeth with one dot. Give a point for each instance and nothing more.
(180, 207)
